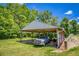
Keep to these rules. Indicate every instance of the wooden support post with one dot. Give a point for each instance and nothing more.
(58, 38)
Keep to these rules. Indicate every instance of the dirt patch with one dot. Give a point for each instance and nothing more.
(71, 42)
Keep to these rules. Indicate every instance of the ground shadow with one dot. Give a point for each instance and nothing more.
(31, 42)
(26, 41)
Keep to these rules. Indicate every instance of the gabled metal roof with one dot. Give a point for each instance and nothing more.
(37, 25)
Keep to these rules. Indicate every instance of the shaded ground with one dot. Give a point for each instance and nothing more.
(31, 42)
(26, 41)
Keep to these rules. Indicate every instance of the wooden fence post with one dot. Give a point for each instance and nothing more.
(65, 45)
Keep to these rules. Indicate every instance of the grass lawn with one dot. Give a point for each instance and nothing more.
(10, 47)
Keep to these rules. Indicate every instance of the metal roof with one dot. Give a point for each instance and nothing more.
(37, 25)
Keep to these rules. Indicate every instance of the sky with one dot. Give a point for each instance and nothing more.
(70, 10)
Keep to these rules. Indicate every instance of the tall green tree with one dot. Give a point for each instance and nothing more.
(44, 16)
(73, 26)
(53, 21)
(65, 24)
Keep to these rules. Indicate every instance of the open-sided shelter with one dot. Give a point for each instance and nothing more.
(37, 26)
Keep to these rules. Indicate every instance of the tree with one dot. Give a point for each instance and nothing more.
(33, 15)
(73, 26)
(65, 24)
(44, 16)
(13, 17)
(53, 21)
(7, 27)
(77, 28)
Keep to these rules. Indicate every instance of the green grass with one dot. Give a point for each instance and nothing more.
(10, 47)
(14, 48)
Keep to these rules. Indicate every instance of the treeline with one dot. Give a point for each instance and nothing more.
(13, 17)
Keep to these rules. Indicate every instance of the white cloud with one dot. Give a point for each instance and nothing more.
(69, 12)
(21, 3)
(77, 17)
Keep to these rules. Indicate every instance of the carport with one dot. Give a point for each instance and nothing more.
(40, 27)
